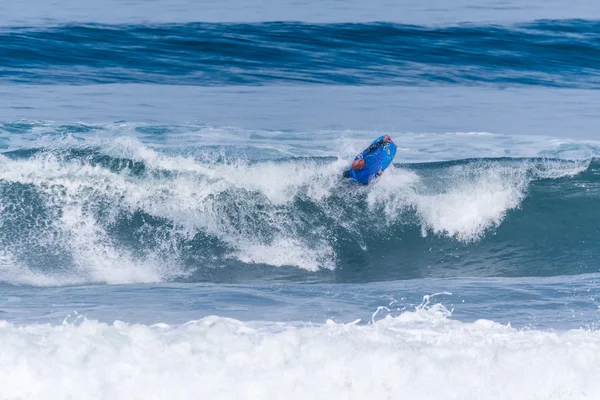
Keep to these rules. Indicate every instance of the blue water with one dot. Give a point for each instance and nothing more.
(174, 221)
(560, 53)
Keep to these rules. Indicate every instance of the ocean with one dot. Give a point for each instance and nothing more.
(174, 222)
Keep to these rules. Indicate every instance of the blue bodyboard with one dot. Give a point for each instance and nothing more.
(377, 159)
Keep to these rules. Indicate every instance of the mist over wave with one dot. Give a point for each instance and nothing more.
(123, 212)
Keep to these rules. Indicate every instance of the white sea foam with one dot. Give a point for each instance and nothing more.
(417, 355)
(469, 199)
(472, 204)
(190, 198)
(251, 207)
(288, 252)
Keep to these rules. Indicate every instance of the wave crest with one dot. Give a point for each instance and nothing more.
(127, 213)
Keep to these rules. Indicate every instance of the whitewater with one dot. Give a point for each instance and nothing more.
(121, 212)
(419, 354)
(174, 221)
(138, 270)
